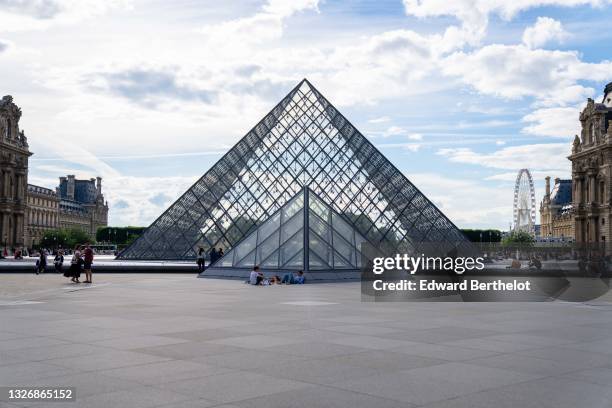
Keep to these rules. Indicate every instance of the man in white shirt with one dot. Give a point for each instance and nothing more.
(256, 277)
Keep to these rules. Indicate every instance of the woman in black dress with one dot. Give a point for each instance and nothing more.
(76, 264)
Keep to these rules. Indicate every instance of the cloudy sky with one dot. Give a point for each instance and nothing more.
(459, 94)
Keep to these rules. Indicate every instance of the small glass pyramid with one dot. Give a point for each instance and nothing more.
(282, 243)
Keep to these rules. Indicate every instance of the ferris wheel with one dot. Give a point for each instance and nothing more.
(524, 202)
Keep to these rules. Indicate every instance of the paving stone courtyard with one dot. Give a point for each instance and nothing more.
(139, 340)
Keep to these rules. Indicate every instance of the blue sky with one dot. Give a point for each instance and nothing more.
(458, 94)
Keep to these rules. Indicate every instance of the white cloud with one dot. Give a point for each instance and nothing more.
(4, 46)
(24, 15)
(544, 31)
(515, 71)
(381, 119)
(474, 14)
(485, 206)
(415, 136)
(556, 122)
(234, 36)
(549, 156)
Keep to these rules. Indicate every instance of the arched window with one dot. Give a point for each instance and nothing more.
(593, 133)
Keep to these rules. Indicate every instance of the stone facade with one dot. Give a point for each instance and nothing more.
(556, 214)
(14, 154)
(82, 204)
(592, 172)
(42, 213)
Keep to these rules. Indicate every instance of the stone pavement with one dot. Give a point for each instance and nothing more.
(178, 341)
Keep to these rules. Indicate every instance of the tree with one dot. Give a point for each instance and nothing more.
(482, 235)
(118, 235)
(519, 237)
(65, 238)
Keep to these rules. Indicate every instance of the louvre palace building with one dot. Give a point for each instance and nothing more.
(28, 211)
(585, 217)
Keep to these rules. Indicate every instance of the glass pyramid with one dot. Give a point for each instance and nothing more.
(282, 243)
(303, 142)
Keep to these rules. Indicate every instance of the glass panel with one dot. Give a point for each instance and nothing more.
(269, 226)
(292, 226)
(267, 247)
(245, 247)
(343, 248)
(271, 262)
(320, 228)
(322, 249)
(297, 262)
(291, 247)
(340, 263)
(227, 260)
(316, 263)
(342, 227)
(318, 207)
(296, 205)
(246, 262)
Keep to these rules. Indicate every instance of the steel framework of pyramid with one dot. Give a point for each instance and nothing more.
(304, 142)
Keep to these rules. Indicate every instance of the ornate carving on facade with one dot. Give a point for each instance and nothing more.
(592, 172)
(14, 154)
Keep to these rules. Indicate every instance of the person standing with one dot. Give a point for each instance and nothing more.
(42, 262)
(213, 256)
(88, 256)
(200, 260)
(75, 265)
(58, 261)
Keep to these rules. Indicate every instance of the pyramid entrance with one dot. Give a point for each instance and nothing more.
(303, 142)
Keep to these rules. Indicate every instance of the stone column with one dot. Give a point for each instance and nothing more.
(19, 231)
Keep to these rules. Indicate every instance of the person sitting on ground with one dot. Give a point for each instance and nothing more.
(256, 277)
(58, 262)
(291, 279)
(275, 280)
(535, 263)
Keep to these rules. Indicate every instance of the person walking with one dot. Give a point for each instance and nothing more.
(88, 257)
(42, 262)
(58, 261)
(200, 260)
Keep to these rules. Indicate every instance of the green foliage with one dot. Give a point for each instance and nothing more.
(65, 238)
(518, 237)
(118, 235)
(482, 235)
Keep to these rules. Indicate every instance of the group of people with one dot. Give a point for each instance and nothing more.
(257, 277)
(82, 260)
(214, 256)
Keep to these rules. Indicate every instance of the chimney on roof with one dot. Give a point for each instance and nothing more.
(99, 185)
(70, 187)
